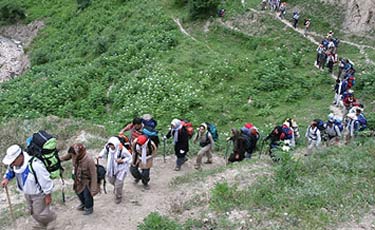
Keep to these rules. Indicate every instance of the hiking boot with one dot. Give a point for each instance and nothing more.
(118, 200)
(80, 207)
(186, 159)
(197, 167)
(208, 161)
(177, 168)
(136, 181)
(88, 211)
(146, 187)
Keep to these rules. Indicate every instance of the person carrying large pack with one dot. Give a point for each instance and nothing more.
(275, 136)
(239, 146)
(334, 130)
(206, 142)
(144, 151)
(135, 128)
(38, 193)
(251, 137)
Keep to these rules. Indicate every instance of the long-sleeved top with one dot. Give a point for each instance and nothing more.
(181, 145)
(84, 172)
(313, 134)
(114, 169)
(151, 150)
(333, 131)
(26, 180)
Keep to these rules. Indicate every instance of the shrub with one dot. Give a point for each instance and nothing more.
(155, 221)
(202, 8)
(11, 12)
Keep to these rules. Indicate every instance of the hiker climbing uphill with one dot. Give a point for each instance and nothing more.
(313, 137)
(118, 160)
(180, 141)
(206, 142)
(143, 152)
(135, 128)
(38, 193)
(239, 146)
(84, 176)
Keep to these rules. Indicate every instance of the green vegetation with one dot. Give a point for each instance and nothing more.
(315, 193)
(89, 70)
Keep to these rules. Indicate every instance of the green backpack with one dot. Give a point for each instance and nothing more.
(42, 145)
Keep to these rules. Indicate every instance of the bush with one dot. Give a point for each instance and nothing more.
(202, 8)
(155, 221)
(11, 12)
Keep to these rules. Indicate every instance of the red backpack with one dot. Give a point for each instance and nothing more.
(189, 127)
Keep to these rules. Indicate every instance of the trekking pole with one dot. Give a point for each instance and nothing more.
(63, 190)
(163, 148)
(9, 203)
(226, 153)
(261, 149)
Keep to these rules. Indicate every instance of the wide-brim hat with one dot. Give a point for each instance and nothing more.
(12, 153)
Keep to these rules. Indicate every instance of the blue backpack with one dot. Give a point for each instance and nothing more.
(320, 124)
(339, 124)
(362, 121)
(213, 130)
(287, 132)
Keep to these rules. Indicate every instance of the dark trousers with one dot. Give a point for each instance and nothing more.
(86, 198)
(144, 175)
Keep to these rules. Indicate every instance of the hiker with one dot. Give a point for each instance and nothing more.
(306, 23)
(319, 51)
(333, 132)
(251, 135)
(38, 195)
(118, 160)
(349, 102)
(282, 10)
(84, 176)
(135, 128)
(148, 121)
(352, 125)
(294, 126)
(313, 136)
(180, 141)
(239, 146)
(275, 136)
(337, 89)
(331, 60)
(263, 5)
(144, 151)
(221, 12)
(295, 19)
(340, 67)
(206, 142)
(361, 119)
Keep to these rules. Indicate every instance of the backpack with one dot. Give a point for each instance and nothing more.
(339, 124)
(296, 16)
(211, 128)
(125, 142)
(287, 133)
(42, 145)
(189, 127)
(152, 134)
(100, 172)
(320, 124)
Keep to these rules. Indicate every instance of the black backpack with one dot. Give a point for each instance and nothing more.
(100, 171)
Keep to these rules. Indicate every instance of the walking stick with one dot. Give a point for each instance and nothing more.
(261, 149)
(63, 190)
(163, 148)
(9, 203)
(226, 153)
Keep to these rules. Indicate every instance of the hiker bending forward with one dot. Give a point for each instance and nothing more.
(118, 162)
(37, 188)
(84, 175)
(206, 142)
(180, 141)
(144, 150)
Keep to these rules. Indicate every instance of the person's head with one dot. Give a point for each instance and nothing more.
(113, 143)
(111, 146)
(314, 124)
(137, 122)
(203, 128)
(78, 150)
(14, 156)
(358, 111)
(175, 123)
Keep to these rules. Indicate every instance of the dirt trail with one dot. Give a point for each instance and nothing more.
(137, 202)
(177, 21)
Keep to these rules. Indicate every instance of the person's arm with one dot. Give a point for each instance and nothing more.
(169, 134)
(67, 156)
(103, 153)
(212, 142)
(318, 137)
(45, 182)
(338, 132)
(127, 128)
(9, 174)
